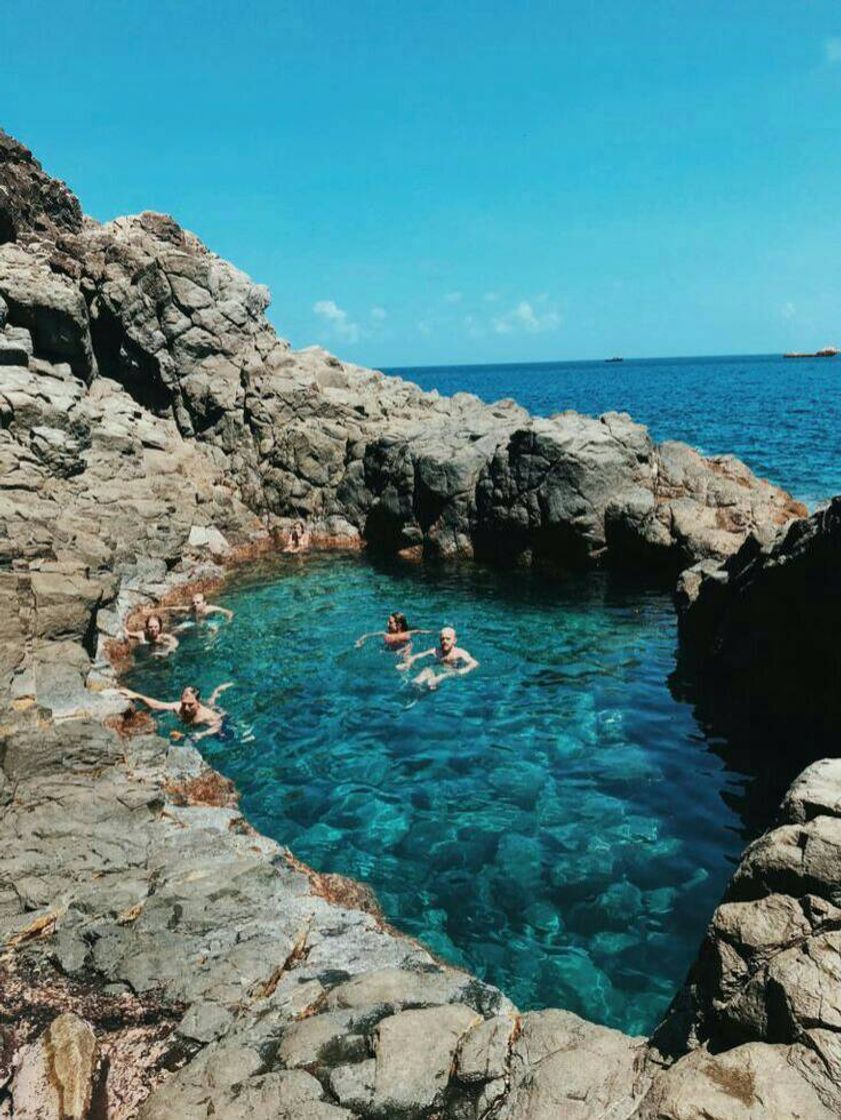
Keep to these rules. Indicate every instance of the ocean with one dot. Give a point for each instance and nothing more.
(781, 416)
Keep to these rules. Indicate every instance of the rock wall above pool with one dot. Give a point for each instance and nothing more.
(760, 637)
(130, 341)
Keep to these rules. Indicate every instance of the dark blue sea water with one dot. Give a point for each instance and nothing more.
(781, 416)
(556, 822)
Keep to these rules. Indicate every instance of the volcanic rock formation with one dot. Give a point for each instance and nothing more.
(152, 425)
(760, 634)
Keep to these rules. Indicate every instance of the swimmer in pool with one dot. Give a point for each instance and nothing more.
(189, 708)
(153, 634)
(396, 635)
(199, 608)
(454, 661)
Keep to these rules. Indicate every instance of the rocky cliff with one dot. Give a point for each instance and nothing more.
(760, 636)
(160, 958)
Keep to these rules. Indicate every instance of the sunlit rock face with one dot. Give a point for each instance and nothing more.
(142, 303)
(145, 400)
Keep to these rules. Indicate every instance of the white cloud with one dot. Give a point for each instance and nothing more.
(832, 49)
(338, 319)
(473, 327)
(424, 327)
(453, 297)
(379, 313)
(523, 317)
(491, 297)
(788, 310)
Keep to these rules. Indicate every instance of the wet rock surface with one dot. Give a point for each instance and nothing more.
(168, 960)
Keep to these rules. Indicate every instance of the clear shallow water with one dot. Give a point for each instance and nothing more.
(782, 417)
(554, 822)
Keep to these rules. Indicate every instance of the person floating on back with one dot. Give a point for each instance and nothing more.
(153, 634)
(453, 661)
(397, 635)
(299, 538)
(189, 708)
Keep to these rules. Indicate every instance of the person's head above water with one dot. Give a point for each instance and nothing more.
(447, 639)
(198, 601)
(397, 623)
(189, 704)
(152, 628)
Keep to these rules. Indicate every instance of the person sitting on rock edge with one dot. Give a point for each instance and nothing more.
(189, 708)
(299, 538)
(455, 661)
(397, 634)
(153, 634)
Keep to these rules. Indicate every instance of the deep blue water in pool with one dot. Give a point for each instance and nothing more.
(555, 821)
(781, 416)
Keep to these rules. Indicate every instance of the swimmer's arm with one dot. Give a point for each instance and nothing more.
(213, 728)
(217, 692)
(468, 663)
(408, 662)
(418, 631)
(172, 642)
(374, 634)
(213, 609)
(149, 701)
(138, 635)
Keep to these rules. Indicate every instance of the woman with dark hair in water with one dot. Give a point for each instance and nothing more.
(397, 635)
(299, 538)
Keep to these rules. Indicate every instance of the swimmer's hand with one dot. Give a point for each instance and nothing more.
(217, 692)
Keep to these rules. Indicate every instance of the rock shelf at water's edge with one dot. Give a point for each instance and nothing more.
(152, 426)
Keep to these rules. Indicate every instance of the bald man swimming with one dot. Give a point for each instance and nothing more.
(453, 660)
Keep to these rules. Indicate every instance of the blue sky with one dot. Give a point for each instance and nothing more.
(459, 181)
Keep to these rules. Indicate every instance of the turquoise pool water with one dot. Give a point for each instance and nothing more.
(555, 821)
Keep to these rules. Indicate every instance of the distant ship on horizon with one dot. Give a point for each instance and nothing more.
(825, 352)
(614, 359)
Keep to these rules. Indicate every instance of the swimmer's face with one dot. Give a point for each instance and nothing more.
(392, 624)
(153, 629)
(447, 639)
(189, 705)
(198, 601)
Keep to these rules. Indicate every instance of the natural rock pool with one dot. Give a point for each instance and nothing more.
(554, 822)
